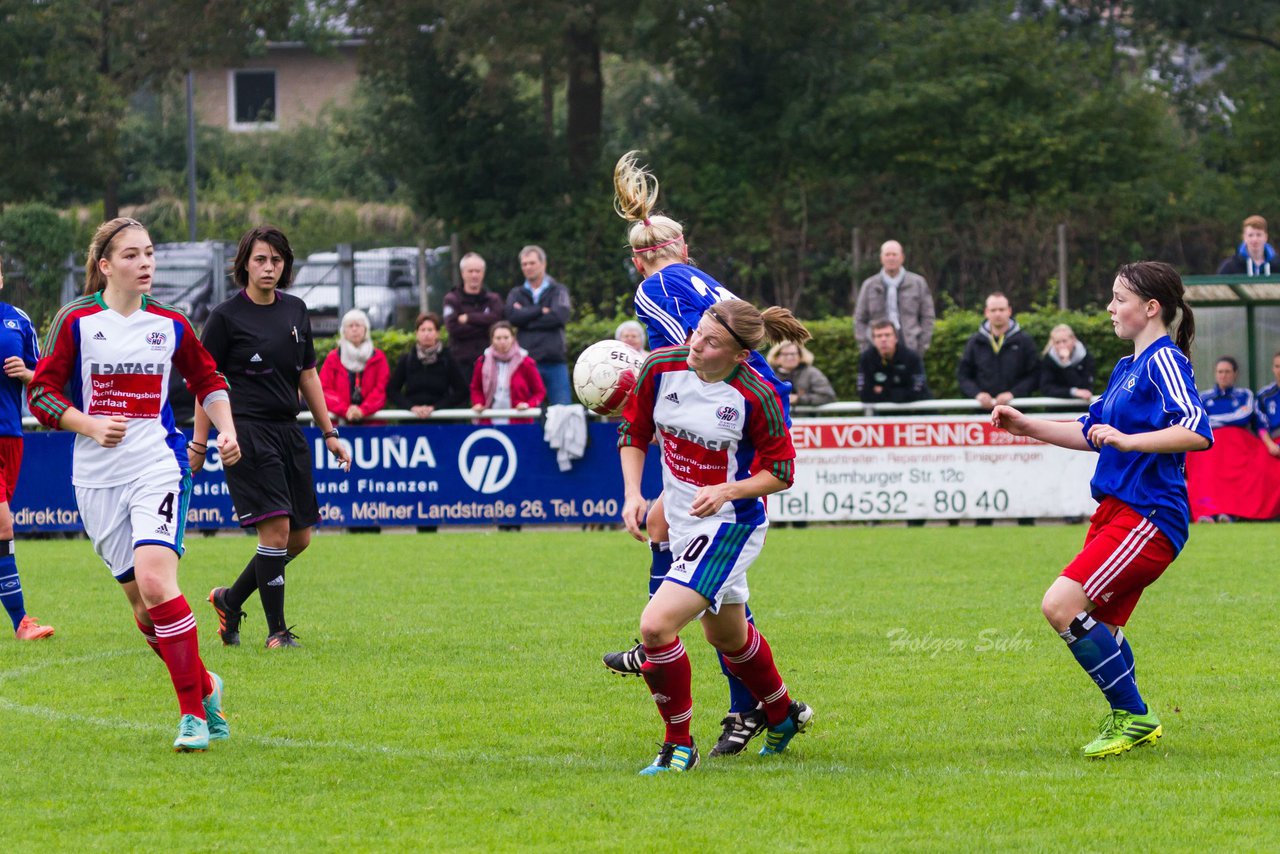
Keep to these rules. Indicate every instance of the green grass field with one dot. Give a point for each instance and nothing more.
(450, 696)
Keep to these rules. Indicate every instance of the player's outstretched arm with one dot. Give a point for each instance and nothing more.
(633, 503)
(1170, 440)
(1064, 434)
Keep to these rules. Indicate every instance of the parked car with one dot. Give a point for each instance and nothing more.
(186, 276)
(386, 286)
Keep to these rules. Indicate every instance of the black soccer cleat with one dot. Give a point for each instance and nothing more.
(284, 638)
(228, 620)
(738, 730)
(627, 662)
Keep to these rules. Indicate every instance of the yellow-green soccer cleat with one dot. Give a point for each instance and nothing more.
(214, 716)
(673, 757)
(193, 735)
(778, 737)
(1121, 731)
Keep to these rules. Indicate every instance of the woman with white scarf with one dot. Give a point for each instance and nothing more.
(505, 376)
(355, 373)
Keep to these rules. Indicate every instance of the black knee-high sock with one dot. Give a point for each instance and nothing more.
(242, 588)
(269, 567)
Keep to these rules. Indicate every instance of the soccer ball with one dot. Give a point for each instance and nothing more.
(604, 375)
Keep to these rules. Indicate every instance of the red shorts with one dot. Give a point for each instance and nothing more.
(10, 465)
(1123, 553)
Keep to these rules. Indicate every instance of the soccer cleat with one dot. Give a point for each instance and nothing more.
(214, 716)
(30, 629)
(1121, 731)
(228, 620)
(627, 662)
(738, 730)
(282, 639)
(193, 735)
(796, 721)
(673, 757)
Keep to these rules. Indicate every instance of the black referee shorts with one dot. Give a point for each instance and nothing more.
(273, 476)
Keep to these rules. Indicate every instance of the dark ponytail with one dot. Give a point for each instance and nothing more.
(1160, 282)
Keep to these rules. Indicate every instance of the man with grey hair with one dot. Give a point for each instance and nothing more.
(539, 308)
(469, 310)
(899, 295)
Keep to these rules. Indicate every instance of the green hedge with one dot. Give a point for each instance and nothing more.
(836, 353)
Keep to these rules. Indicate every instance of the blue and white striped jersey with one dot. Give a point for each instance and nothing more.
(1234, 407)
(1268, 405)
(670, 303)
(1150, 392)
(17, 338)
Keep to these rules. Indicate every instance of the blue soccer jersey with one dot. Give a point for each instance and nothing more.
(670, 303)
(1147, 393)
(1234, 407)
(17, 338)
(1268, 404)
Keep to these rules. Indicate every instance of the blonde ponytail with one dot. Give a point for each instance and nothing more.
(635, 194)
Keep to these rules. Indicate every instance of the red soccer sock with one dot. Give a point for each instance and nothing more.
(754, 667)
(149, 632)
(179, 646)
(666, 671)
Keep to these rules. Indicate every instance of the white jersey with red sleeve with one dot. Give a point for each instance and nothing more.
(710, 433)
(104, 363)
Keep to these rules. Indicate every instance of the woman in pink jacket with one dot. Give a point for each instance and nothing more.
(355, 373)
(505, 376)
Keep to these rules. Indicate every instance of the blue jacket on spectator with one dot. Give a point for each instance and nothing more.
(1269, 409)
(1233, 407)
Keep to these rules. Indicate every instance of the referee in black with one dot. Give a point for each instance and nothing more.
(261, 341)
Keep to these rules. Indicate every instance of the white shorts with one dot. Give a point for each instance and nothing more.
(711, 558)
(151, 510)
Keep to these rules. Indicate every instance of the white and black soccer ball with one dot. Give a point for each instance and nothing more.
(604, 374)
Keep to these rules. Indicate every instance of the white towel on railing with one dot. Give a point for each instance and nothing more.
(566, 431)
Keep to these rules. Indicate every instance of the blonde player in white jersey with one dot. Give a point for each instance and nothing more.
(725, 445)
(112, 350)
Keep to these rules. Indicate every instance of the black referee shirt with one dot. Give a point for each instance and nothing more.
(262, 350)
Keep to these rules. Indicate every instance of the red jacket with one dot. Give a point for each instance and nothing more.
(372, 382)
(526, 386)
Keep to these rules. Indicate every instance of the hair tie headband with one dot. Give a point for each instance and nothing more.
(675, 239)
(128, 223)
(647, 221)
(721, 321)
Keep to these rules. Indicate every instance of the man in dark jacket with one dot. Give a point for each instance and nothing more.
(1000, 361)
(469, 311)
(1255, 256)
(539, 309)
(888, 372)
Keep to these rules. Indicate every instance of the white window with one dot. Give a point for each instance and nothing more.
(251, 99)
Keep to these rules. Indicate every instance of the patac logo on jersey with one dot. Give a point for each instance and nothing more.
(156, 340)
(726, 415)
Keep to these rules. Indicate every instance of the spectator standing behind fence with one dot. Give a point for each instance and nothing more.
(900, 296)
(505, 376)
(631, 333)
(355, 373)
(426, 378)
(794, 363)
(1268, 403)
(469, 310)
(888, 372)
(539, 308)
(1067, 369)
(1255, 255)
(999, 361)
